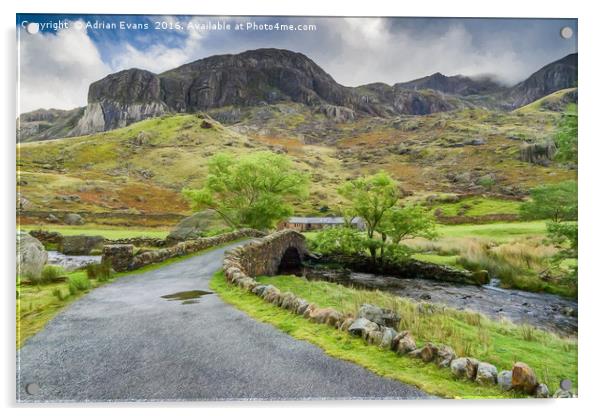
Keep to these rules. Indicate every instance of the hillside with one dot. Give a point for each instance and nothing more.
(140, 169)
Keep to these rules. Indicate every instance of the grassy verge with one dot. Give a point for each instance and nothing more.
(469, 333)
(107, 232)
(38, 304)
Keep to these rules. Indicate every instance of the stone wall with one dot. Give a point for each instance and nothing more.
(47, 237)
(140, 241)
(123, 257)
(375, 325)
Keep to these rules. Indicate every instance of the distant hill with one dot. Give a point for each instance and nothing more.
(270, 76)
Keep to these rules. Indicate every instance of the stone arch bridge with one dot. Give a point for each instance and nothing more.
(278, 252)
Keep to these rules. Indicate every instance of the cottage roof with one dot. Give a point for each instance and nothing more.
(321, 220)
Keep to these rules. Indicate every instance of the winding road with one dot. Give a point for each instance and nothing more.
(124, 342)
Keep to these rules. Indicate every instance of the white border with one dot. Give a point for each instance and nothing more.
(590, 97)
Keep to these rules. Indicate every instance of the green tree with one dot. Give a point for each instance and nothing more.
(407, 222)
(566, 138)
(370, 197)
(254, 190)
(556, 202)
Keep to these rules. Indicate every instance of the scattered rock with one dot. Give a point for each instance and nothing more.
(73, 219)
(479, 141)
(523, 378)
(542, 391)
(403, 343)
(52, 218)
(24, 204)
(384, 317)
(486, 374)
(445, 355)
(562, 394)
(346, 323)
(427, 353)
(504, 380)
(465, 367)
(206, 125)
(361, 326)
(31, 256)
(192, 227)
(387, 339)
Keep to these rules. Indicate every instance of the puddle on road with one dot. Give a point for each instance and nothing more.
(188, 297)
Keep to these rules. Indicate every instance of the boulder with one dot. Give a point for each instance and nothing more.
(427, 353)
(465, 367)
(387, 339)
(73, 219)
(31, 256)
(486, 374)
(384, 317)
(523, 378)
(345, 324)
(362, 326)
(403, 343)
(192, 227)
(562, 394)
(80, 244)
(504, 380)
(541, 391)
(445, 355)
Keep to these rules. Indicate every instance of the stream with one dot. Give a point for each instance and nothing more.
(70, 263)
(541, 310)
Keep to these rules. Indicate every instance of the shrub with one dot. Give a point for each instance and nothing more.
(51, 273)
(78, 283)
(100, 271)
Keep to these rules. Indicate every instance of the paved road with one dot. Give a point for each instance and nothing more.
(124, 342)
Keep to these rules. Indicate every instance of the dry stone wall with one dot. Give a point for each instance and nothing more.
(123, 257)
(375, 325)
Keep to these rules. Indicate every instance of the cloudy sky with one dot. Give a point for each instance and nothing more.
(57, 64)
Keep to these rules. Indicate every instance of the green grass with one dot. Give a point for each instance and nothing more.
(111, 233)
(499, 232)
(471, 334)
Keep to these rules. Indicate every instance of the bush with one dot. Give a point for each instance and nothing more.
(339, 240)
(78, 283)
(100, 271)
(51, 273)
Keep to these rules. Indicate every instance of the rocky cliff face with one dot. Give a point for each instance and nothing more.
(268, 76)
(552, 77)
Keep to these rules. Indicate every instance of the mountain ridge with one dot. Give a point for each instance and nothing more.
(268, 76)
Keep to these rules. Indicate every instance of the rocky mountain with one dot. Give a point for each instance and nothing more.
(270, 76)
(47, 124)
(457, 85)
(552, 77)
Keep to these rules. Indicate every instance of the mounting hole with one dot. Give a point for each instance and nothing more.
(32, 388)
(566, 385)
(566, 32)
(32, 28)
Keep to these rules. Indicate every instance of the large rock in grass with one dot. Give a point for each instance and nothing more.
(80, 244)
(73, 219)
(523, 378)
(465, 367)
(384, 317)
(193, 227)
(362, 326)
(486, 374)
(31, 256)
